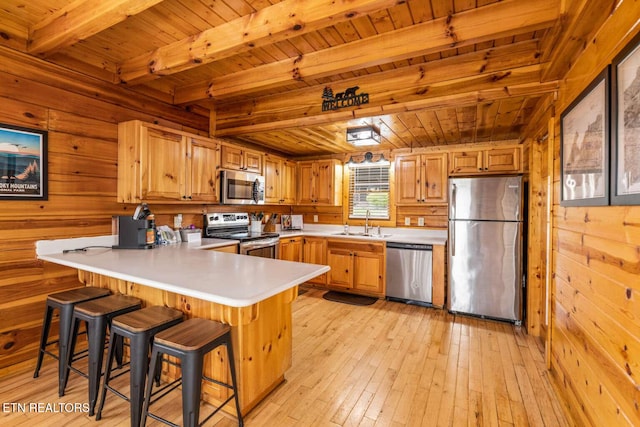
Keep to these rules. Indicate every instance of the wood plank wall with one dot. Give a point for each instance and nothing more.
(595, 325)
(81, 117)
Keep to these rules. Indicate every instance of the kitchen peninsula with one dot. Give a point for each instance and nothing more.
(251, 294)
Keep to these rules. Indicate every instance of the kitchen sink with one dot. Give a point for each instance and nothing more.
(360, 234)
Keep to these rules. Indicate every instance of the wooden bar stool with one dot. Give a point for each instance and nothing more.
(64, 302)
(97, 314)
(139, 327)
(189, 342)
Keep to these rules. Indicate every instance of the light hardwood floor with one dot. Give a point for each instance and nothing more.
(387, 364)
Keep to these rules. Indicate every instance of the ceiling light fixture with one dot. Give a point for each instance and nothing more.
(363, 135)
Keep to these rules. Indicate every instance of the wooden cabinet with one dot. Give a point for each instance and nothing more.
(314, 251)
(290, 249)
(356, 266)
(320, 182)
(280, 184)
(421, 178)
(204, 181)
(159, 164)
(240, 159)
(486, 161)
(231, 249)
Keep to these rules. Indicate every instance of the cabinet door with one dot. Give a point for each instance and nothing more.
(231, 249)
(502, 160)
(163, 165)
(252, 161)
(307, 175)
(369, 271)
(231, 158)
(324, 182)
(291, 249)
(408, 180)
(341, 263)
(203, 179)
(434, 174)
(314, 251)
(288, 183)
(272, 179)
(466, 162)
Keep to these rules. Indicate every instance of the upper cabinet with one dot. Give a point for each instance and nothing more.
(421, 178)
(320, 182)
(240, 159)
(486, 161)
(280, 180)
(164, 165)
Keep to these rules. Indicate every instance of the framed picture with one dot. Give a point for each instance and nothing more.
(625, 88)
(23, 163)
(585, 146)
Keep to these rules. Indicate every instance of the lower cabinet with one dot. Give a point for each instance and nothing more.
(356, 266)
(314, 251)
(290, 249)
(232, 249)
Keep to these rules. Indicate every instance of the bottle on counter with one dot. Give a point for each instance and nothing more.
(151, 229)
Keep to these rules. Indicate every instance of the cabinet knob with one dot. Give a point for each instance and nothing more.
(479, 169)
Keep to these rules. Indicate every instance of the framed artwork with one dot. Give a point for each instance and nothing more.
(585, 146)
(625, 88)
(23, 163)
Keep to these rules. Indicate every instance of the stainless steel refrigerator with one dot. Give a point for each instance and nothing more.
(486, 247)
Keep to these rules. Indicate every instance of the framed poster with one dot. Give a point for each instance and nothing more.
(23, 163)
(585, 146)
(625, 87)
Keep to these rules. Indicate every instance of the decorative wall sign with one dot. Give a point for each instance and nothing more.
(23, 163)
(625, 86)
(345, 99)
(585, 146)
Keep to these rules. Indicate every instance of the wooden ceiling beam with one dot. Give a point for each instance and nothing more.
(508, 18)
(267, 26)
(576, 28)
(453, 95)
(400, 84)
(80, 20)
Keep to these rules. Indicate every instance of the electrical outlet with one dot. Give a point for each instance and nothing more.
(315, 218)
(421, 221)
(407, 220)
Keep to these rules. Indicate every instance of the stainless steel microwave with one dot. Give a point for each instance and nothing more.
(241, 188)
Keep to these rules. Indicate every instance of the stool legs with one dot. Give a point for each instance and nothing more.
(139, 345)
(96, 349)
(191, 364)
(66, 315)
(232, 369)
(46, 325)
(191, 386)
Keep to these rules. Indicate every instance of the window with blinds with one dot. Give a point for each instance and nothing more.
(369, 190)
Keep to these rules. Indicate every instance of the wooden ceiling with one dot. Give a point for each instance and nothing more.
(436, 72)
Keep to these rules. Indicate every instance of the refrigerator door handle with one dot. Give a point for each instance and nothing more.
(453, 200)
(452, 231)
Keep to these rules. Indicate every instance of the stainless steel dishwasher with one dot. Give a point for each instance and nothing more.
(409, 267)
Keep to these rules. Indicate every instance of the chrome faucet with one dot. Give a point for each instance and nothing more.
(366, 222)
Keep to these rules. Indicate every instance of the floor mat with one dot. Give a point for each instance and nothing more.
(348, 298)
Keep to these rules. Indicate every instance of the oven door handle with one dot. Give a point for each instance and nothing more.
(261, 243)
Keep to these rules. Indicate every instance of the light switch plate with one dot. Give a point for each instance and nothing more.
(315, 218)
(407, 220)
(421, 221)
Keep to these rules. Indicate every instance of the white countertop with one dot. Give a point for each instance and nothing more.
(186, 269)
(401, 235)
